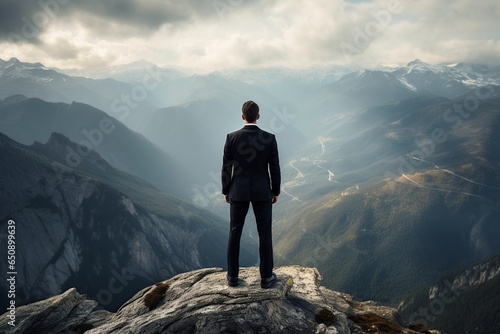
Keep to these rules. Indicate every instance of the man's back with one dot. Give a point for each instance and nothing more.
(253, 154)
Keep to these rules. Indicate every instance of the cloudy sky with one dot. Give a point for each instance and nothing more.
(218, 34)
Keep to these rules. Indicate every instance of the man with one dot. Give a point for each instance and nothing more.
(251, 173)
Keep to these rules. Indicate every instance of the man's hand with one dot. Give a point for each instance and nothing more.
(275, 199)
(226, 198)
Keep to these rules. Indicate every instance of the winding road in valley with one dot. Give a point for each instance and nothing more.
(300, 178)
(316, 162)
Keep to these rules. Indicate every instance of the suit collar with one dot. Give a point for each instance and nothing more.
(250, 127)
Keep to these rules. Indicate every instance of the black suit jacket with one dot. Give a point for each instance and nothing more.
(251, 169)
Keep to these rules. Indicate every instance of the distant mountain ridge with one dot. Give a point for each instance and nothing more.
(36, 80)
(28, 120)
(469, 74)
(444, 79)
(130, 73)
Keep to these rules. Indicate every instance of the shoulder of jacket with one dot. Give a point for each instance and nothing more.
(269, 134)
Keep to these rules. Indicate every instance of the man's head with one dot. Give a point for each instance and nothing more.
(250, 111)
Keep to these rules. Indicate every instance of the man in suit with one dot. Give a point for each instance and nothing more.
(251, 174)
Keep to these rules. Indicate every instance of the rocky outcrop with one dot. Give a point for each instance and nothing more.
(473, 276)
(461, 302)
(201, 302)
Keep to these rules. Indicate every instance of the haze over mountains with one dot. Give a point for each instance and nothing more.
(390, 174)
(28, 120)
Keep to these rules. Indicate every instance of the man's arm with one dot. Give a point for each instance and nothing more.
(274, 170)
(227, 169)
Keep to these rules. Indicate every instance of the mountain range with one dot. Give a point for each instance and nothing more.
(395, 182)
(390, 173)
(29, 120)
(36, 80)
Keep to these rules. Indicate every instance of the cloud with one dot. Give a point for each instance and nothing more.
(30, 18)
(21, 21)
(218, 34)
(441, 32)
(62, 48)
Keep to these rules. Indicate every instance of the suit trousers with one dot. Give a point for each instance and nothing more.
(263, 217)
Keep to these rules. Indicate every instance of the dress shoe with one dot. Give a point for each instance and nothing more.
(268, 282)
(232, 281)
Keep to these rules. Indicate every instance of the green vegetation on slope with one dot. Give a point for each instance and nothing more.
(387, 239)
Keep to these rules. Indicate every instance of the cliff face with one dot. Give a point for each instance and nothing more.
(476, 275)
(464, 301)
(201, 302)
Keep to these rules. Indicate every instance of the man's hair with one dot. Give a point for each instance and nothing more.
(250, 110)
